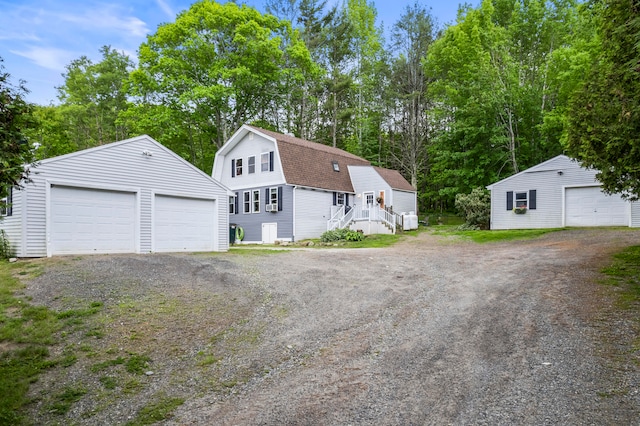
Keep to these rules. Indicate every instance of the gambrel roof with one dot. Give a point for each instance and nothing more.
(310, 164)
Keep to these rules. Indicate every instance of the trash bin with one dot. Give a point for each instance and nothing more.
(232, 233)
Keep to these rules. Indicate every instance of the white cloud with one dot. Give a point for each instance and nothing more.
(18, 36)
(166, 9)
(106, 17)
(50, 58)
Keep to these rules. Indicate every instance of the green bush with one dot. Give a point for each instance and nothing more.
(5, 248)
(475, 207)
(344, 234)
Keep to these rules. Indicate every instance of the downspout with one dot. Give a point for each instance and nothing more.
(293, 214)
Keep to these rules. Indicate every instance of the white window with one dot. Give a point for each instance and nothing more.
(273, 196)
(521, 199)
(340, 199)
(5, 203)
(265, 162)
(232, 204)
(256, 201)
(239, 167)
(252, 164)
(368, 199)
(246, 201)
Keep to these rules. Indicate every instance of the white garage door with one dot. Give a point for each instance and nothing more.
(589, 206)
(183, 224)
(86, 220)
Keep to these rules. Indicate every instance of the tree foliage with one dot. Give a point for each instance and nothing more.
(15, 117)
(510, 84)
(604, 116)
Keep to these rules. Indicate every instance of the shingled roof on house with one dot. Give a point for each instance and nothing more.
(311, 164)
(394, 179)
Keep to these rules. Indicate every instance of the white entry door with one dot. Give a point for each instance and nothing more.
(589, 206)
(269, 233)
(85, 220)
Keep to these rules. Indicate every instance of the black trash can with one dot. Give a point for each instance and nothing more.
(232, 233)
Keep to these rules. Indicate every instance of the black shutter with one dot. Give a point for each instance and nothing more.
(335, 198)
(509, 200)
(347, 199)
(532, 199)
(271, 161)
(233, 168)
(236, 203)
(267, 200)
(279, 198)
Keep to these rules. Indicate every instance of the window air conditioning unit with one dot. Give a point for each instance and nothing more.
(272, 208)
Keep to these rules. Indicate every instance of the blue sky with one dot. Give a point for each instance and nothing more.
(38, 38)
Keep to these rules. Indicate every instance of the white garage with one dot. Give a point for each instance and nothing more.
(183, 224)
(589, 206)
(558, 193)
(132, 196)
(85, 220)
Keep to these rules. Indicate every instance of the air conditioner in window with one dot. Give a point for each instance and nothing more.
(272, 208)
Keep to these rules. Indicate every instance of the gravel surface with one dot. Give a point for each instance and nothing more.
(434, 330)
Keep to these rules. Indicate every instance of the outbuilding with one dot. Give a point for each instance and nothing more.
(557, 193)
(132, 196)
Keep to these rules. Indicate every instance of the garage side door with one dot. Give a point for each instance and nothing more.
(87, 220)
(183, 224)
(589, 206)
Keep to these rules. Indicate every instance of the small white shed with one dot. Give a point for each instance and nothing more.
(132, 196)
(554, 194)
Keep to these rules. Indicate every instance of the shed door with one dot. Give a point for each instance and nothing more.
(269, 233)
(183, 224)
(87, 220)
(589, 206)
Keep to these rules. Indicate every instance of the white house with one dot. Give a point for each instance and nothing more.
(133, 196)
(288, 189)
(554, 194)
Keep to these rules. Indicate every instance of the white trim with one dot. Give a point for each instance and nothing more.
(97, 186)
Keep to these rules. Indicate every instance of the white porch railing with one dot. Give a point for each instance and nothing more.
(357, 213)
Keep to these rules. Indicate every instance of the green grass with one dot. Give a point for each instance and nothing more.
(624, 273)
(156, 411)
(491, 235)
(27, 331)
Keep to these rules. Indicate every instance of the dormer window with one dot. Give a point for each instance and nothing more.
(336, 167)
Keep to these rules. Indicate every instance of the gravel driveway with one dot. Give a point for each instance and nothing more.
(434, 330)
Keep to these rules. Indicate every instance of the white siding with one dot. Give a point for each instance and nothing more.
(635, 215)
(250, 145)
(404, 202)
(12, 225)
(550, 180)
(121, 166)
(312, 209)
(366, 179)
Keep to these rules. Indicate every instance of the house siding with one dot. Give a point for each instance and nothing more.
(635, 215)
(120, 166)
(312, 212)
(250, 145)
(12, 225)
(550, 181)
(366, 179)
(251, 223)
(404, 202)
